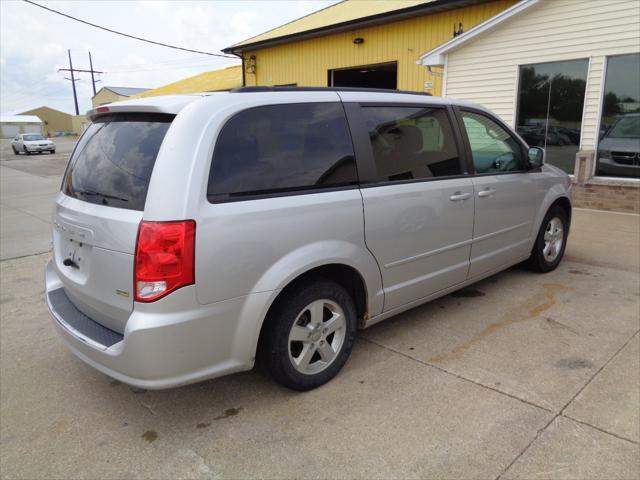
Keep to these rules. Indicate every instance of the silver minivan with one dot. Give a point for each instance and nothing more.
(197, 235)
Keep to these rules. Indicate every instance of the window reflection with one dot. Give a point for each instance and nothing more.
(550, 105)
(619, 141)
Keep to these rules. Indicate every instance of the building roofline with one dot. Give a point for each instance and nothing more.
(377, 19)
(110, 88)
(436, 56)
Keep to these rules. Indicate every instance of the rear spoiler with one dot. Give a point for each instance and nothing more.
(171, 104)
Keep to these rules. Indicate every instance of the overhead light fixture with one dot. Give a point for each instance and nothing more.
(358, 40)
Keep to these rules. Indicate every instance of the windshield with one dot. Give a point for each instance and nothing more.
(112, 162)
(626, 127)
(33, 138)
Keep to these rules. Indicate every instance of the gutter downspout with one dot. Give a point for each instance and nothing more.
(241, 57)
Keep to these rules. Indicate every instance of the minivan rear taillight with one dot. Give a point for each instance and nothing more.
(165, 258)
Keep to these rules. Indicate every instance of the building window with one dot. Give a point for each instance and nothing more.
(550, 105)
(619, 136)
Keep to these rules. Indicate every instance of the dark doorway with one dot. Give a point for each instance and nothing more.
(367, 76)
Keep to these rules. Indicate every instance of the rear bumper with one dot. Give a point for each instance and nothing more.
(169, 343)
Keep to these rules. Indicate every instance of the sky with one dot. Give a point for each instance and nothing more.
(34, 44)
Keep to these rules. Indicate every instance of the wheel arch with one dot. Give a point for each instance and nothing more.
(345, 275)
(565, 204)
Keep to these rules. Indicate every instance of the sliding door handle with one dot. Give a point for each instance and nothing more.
(488, 192)
(459, 197)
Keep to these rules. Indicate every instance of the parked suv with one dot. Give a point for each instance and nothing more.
(197, 235)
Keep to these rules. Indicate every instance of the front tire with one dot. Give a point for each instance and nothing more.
(551, 241)
(308, 336)
(26, 152)
(15, 152)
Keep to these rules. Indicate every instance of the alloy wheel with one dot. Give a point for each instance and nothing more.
(553, 239)
(317, 336)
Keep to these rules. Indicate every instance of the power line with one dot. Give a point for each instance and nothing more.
(126, 34)
(166, 67)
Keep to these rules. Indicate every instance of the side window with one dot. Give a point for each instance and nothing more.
(492, 147)
(280, 148)
(411, 142)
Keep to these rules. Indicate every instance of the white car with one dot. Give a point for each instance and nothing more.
(31, 143)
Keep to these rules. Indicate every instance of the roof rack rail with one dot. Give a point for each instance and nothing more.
(322, 89)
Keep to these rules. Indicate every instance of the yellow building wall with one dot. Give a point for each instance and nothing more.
(79, 122)
(105, 96)
(54, 121)
(306, 62)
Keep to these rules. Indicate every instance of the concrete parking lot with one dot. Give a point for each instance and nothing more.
(519, 376)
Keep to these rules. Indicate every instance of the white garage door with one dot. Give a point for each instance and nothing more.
(8, 131)
(32, 128)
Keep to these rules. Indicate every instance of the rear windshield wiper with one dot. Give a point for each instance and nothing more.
(91, 193)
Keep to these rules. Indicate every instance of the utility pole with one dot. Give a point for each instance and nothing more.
(93, 80)
(73, 83)
(74, 80)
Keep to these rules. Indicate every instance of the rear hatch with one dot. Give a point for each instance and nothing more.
(99, 209)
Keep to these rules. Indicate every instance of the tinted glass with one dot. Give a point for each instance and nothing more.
(411, 142)
(550, 104)
(32, 138)
(493, 149)
(113, 161)
(619, 142)
(280, 148)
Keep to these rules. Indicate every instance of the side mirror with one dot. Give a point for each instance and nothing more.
(536, 157)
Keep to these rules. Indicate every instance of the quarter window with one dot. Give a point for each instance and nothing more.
(280, 148)
(493, 149)
(411, 143)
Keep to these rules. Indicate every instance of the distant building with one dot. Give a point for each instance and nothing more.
(11, 125)
(361, 43)
(57, 123)
(214, 81)
(114, 94)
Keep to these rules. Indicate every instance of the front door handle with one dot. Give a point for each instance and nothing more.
(459, 197)
(488, 192)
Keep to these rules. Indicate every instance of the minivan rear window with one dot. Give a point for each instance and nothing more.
(113, 160)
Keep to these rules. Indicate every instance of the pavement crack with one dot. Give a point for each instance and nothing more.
(561, 412)
(535, 437)
(25, 256)
(602, 430)
(581, 389)
(458, 376)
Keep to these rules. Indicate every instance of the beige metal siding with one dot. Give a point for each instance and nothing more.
(485, 70)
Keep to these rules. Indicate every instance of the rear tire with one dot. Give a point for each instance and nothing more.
(15, 152)
(308, 335)
(551, 241)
